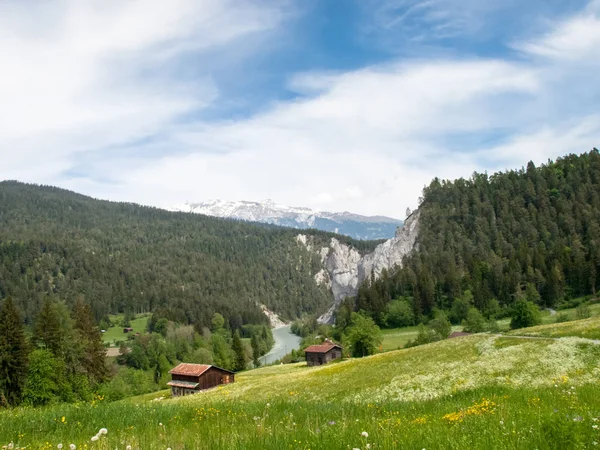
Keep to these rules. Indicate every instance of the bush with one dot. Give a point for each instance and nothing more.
(400, 314)
(441, 325)
(474, 323)
(583, 311)
(525, 314)
(363, 335)
(562, 317)
(426, 336)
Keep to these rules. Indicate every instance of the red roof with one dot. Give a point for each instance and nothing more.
(190, 370)
(323, 348)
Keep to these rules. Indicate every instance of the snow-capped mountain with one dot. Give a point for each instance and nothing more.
(354, 225)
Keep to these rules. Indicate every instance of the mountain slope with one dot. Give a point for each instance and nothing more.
(533, 233)
(353, 225)
(128, 257)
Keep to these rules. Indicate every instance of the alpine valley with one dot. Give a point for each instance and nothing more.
(267, 211)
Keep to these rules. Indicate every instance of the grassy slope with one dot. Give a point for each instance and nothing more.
(474, 392)
(587, 328)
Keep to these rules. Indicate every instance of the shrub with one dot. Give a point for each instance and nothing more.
(400, 314)
(583, 311)
(474, 323)
(562, 317)
(525, 314)
(441, 325)
(363, 335)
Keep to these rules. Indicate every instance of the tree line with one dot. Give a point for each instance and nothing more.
(63, 359)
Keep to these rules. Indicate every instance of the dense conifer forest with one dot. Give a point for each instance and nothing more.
(488, 241)
(121, 257)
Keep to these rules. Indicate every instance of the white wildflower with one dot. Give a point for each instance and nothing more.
(160, 424)
(59, 446)
(73, 447)
(364, 434)
(95, 438)
(368, 446)
(103, 431)
(128, 447)
(595, 427)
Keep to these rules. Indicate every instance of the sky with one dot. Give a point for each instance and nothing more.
(336, 105)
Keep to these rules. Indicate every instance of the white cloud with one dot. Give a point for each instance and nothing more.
(77, 76)
(574, 39)
(366, 141)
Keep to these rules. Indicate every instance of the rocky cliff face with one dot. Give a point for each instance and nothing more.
(344, 269)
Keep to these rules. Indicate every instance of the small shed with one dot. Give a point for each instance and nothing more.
(188, 378)
(317, 355)
(127, 330)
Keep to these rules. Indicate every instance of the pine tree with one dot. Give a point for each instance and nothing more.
(13, 353)
(47, 332)
(240, 353)
(93, 355)
(255, 350)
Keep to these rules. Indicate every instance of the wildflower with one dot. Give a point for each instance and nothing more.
(577, 419)
(368, 445)
(331, 422)
(73, 447)
(59, 446)
(103, 431)
(364, 434)
(595, 427)
(128, 447)
(160, 424)
(95, 438)
(502, 422)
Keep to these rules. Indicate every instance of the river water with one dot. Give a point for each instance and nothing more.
(285, 342)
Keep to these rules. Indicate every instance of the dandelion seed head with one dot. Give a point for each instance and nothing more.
(95, 438)
(59, 446)
(364, 434)
(103, 431)
(73, 447)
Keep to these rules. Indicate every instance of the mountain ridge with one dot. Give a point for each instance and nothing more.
(267, 211)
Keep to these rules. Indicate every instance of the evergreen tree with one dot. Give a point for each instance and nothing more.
(93, 357)
(13, 353)
(240, 354)
(254, 342)
(47, 331)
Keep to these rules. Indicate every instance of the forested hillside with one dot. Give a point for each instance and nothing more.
(488, 240)
(124, 257)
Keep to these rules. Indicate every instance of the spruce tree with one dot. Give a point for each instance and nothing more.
(47, 333)
(255, 350)
(13, 353)
(93, 357)
(240, 353)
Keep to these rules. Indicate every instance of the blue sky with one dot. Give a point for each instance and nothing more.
(332, 104)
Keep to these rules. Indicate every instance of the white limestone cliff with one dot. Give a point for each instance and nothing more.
(344, 269)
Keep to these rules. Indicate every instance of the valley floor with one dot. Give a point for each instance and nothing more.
(476, 392)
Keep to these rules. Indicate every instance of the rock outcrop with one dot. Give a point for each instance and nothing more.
(344, 269)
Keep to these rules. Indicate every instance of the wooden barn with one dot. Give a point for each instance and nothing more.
(317, 355)
(188, 379)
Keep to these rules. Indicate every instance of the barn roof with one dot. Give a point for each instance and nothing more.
(193, 370)
(323, 348)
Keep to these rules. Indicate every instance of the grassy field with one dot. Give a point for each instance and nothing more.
(588, 328)
(114, 334)
(476, 392)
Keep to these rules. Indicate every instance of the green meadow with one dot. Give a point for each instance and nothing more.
(476, 392)
(115, 333)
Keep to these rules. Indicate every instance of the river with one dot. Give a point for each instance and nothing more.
(285, 342)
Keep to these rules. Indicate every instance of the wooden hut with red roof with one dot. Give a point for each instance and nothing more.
(317, 355)
(190, 378)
